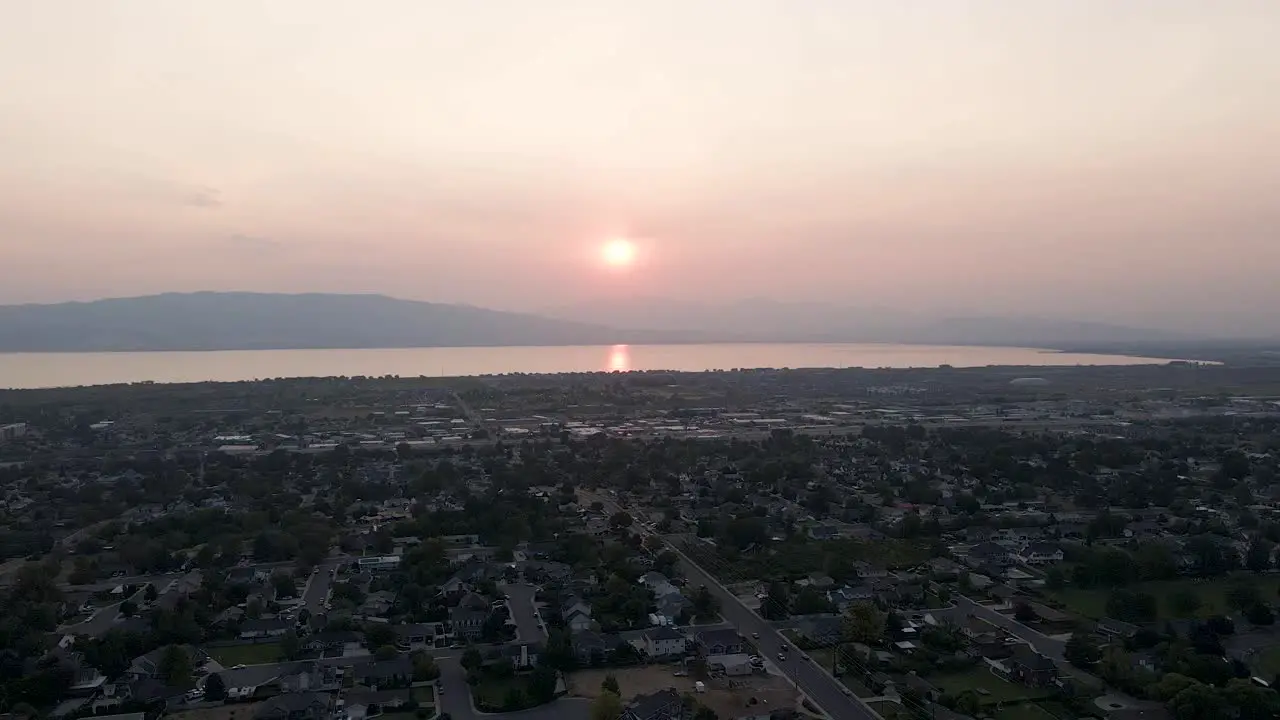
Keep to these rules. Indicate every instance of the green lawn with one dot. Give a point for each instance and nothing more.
(258, 654)
(1092, 603)
(494, 691)
(979, 679)
(1267, 663)
(1024, 711)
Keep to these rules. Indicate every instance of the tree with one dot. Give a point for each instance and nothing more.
(1260, 614)
(777, 602)
(1184, 603)
(706, 606)
(378, 634)
(290, 646)
(471, 658)
(1023, 613)
(608, 706)
(386, 652)
(150, 594)
(1055, 578)
(514, 700)
(175, 667)
(1199, 702)
(705, 713)
(424, 667)
(215, 688)
(542, 684)
(1082, 651)
(1258, 557)
(1243, 594)
(128, 608)
(863, 623)
(610, 684)
(621, 520)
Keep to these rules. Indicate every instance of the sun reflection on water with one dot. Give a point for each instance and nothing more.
(619, 358)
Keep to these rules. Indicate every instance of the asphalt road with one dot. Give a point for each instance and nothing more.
(317, 589)
(814, 681)
(520, 598)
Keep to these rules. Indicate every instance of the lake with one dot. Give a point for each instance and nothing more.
(36, 370)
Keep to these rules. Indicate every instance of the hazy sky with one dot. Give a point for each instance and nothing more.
(1095, 158)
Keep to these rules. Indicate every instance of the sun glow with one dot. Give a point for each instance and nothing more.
(619, 253)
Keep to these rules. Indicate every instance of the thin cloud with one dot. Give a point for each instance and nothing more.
(252, 242)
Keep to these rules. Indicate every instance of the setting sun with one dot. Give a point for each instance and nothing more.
(619, 252)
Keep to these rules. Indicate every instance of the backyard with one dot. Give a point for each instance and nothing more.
(255, 654)
(1024, 711)
(1092, 602)
(425, 697)
(989, 687)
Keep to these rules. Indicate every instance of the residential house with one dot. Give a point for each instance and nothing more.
(989, 553)
(592, 648)
(661, 642)
(1114, 629)
(296, 706)
(247, 576)
(658, 584)
(369, 703)
(735, 665)
(662, 705)
(333, 642)
(1030, 668)
(576, 614)
(867, 571)
(264, 628)
(719, 642)
(1040, 553)
(522, 656)
(417, 635)
(384, 674)
(1051, 620)
(148, 667)
(843, 597)
(469, 616)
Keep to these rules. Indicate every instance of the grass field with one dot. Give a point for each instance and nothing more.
(258, 654)
(981, 679)
(1024, 711)
(1092, 603)
(1268, 662)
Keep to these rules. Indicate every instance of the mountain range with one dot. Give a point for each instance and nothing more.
(252, 321)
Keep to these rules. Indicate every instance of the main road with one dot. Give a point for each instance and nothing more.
(809, 677)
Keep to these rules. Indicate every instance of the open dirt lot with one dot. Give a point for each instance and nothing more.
(769, 692)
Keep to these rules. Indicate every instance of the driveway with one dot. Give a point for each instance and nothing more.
(455, 698)
(520, 599)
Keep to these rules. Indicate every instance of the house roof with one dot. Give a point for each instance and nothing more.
(1027, 657)
(665, 633)
(723, 636)
(264, 625)
(396, 667)
(647, 706)
(289, 703)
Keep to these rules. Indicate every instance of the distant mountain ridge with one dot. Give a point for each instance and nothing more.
(758, 319)
(261, 321)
